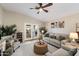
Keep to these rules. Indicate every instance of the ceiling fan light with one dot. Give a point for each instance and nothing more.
(40, 9)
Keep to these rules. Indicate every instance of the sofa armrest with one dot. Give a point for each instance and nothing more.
(48, 54)
(16, 45)
(59, 52)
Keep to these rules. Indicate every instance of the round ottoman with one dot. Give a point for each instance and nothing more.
(40, 49)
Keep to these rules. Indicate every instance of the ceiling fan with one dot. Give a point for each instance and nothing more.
(42, 7)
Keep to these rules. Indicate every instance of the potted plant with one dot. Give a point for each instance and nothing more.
(42, 30)
(7, 30)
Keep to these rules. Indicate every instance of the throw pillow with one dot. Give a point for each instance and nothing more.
(47, 35)
(61, 38)
(52, 36)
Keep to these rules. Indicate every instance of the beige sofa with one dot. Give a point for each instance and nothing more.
(53, 42)
(55, 39)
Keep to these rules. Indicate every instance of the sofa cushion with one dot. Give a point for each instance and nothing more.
(59, 52)
(55, 41)
(61, 36)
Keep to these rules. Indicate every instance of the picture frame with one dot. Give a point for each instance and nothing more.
(59, 24)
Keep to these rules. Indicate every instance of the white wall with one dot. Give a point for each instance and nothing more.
(1, 13)
(69, 26)
(18, 19)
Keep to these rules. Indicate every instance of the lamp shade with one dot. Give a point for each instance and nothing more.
(73, 35)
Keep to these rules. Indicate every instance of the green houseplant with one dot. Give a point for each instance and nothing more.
(7, 30)
(43, 30)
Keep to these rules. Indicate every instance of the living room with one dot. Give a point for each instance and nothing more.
(60, 21)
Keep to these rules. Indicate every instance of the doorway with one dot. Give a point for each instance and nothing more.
(31, 31)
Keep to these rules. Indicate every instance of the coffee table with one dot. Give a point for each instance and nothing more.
(40, 49)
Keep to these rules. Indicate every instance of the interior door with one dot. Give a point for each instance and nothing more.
(31, 31)
(28, 31)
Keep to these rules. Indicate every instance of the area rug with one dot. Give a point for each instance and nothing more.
(26, 49)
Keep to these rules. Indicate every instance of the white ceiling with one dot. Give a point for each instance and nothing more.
(57, 10)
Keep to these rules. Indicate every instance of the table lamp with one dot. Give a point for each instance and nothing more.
(73, 36)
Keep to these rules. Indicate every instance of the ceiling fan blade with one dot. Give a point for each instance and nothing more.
(45, 10)
(38, 12)
(40, 4)
(37, 7)
(47, 5)
(32, 8)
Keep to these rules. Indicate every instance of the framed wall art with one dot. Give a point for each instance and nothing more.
(59, 24)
